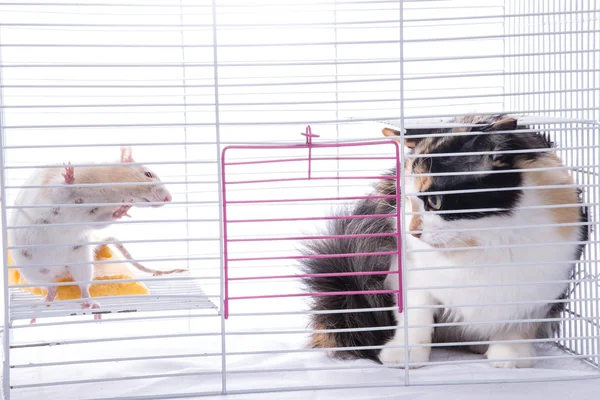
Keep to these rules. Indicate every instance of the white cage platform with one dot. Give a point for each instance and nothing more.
(164, 296)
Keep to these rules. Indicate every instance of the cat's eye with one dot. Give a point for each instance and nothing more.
(435, 202)
(149, 174)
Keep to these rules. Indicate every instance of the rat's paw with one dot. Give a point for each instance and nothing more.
(511, 355)
(69, 174)
(396, 356)
(122, 211)
(89, 304)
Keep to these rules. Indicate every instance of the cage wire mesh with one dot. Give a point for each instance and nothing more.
(179, 82)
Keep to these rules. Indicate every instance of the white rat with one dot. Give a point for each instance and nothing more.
(71, 248)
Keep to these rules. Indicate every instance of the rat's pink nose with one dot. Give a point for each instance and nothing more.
(168, 198)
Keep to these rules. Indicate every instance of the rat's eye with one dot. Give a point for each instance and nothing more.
(149, 174)
(435, 202)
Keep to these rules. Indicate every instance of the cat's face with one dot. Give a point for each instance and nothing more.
(452, 190)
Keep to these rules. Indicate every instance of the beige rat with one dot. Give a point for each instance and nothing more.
(72, 256)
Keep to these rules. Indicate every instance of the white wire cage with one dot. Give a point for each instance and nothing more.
(179, 82)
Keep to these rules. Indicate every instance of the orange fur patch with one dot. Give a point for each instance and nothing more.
(322, 340)
(555, 196)
(415, 221)
(422, 183)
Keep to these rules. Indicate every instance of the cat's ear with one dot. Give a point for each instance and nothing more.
(505, 124)
(409, 141)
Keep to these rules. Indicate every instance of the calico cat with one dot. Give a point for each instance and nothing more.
(474, 257)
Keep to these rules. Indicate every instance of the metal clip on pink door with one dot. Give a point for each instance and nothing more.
(309, 135)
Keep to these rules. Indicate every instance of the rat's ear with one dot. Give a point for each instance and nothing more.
(126, 154)
(505, 124)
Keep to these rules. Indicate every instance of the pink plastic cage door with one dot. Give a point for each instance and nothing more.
(268, 165)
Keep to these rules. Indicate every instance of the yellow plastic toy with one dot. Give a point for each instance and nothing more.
(102, 272)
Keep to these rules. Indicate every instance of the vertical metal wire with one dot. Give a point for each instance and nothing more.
(337, 104)
(6, 334)
(542, 66)
(402, 198)
(185, 131)
(220, 194)
(526, 59)
(581, 156)
(505, 86)
(520, 21)
(514, 58)
(596, 171)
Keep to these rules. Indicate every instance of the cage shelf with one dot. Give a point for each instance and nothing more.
(172, 295)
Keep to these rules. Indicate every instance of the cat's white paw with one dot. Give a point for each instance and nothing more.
(396, 356)
(511, 355)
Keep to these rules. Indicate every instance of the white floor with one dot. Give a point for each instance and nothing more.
(554, 375)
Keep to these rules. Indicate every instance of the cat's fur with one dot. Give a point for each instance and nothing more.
(515, 301)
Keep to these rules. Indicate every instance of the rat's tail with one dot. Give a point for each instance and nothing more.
(352, 245)
(136, 264)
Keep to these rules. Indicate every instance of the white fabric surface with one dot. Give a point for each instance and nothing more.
(364, 374)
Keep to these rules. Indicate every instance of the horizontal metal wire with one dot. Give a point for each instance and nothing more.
(338, 367)
(267, 123)
(496, 172)
(519, 208)
(113, 164)
(144, 278)
(500, 152)
(332, 25)
(111, 339)
(132, 302)
(294, 44)
(98, 262)
(271, 371)
(125, 320)
(144, 221)
(114, 379)
(503, 246)
(301, 83)
(385, 309)
(518, 188)
(297, 63)
(208, 5)
(112, 184)
(501, 228)
(338, 349)
(87, 205)
(117, 359)
(398, 383)
(226, 104)
(511, 284)
(502, 265)
(109, 242)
